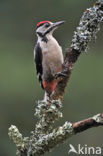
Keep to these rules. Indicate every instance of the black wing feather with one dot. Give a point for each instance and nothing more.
(38, 61)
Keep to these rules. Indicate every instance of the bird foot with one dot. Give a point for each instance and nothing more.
(60, 75)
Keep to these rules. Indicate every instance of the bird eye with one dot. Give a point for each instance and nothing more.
(47, 25)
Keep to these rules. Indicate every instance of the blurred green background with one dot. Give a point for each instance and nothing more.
(19, 87)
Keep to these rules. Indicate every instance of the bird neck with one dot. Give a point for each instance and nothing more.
(45, 38)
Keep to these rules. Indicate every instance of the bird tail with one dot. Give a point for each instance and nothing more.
(46, 96)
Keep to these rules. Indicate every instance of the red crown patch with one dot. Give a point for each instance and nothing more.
(40, 23)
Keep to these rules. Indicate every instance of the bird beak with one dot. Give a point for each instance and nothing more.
(53, 27)
(56, 24)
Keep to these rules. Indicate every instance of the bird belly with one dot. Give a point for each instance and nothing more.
(52, 63)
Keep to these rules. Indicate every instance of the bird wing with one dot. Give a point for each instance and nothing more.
(38, 61)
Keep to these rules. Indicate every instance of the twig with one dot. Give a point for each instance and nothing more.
(59, 135)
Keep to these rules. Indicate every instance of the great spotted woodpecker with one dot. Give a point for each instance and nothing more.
(47, 55)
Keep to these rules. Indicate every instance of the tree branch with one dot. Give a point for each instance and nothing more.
(88, 27)
(44, 137)
(58, 136)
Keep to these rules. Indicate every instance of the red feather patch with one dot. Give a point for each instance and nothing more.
(40, 23)
(49, 87)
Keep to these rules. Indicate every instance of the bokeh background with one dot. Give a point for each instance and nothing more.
(19, 87)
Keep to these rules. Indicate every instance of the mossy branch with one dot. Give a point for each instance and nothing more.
(45, 142)
(44, 137)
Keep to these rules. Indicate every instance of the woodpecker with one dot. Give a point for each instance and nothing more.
(47, 55)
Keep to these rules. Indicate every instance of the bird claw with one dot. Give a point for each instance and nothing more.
(60, 75)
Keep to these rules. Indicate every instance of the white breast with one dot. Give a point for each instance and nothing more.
(52, 56)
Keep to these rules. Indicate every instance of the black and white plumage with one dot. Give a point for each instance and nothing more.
(47, 55)
(38, 61)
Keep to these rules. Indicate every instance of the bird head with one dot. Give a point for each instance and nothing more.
(46, 27)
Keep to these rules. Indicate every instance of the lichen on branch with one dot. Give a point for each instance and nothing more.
(88, 27)
(45, 137)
